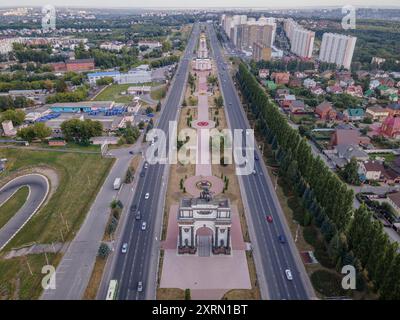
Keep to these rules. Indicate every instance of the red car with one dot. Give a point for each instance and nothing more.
(269, 218)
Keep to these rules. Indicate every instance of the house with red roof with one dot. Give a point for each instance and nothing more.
(335, 89)
(391, 127)
(325, 111)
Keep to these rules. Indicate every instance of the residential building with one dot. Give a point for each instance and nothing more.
(112, 46)
(261, 52)
(355, 91)
(263, 73)
(296, 107)
(354, 114)
(301, 40)
(337, 48)
(281, 77)
(150, 44)
(351, 151)
(347, 137)
(394, 201)
(325, 111)
(309, 83)
(8, 128)
(391, 127)
(371, 170)
(377, 113)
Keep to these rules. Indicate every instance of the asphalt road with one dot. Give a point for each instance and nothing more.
(74, 270)
(140, 261)
(38, 190)
(260, 200)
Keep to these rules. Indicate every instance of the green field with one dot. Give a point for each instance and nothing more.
(80, 177)
(158, 93)
(113, 93)
(16, 280)
(12, 205)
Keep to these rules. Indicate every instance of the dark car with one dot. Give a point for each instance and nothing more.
(138, 215)
(281, 238)
(142, 174)
(256, 157)
(130, 152)
(134, 207)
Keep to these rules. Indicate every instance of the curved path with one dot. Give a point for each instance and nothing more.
(38, 190)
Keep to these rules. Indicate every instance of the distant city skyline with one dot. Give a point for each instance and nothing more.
(206, 3)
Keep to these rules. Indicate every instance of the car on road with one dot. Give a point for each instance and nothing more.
(140, 286)
(254, 171)
(130, 152)
(138, 216)
(147, 196)
(144, 225)
(146, 165)
(124, 248)
(288, 274)
(269, 218)
(142, 174)
(256, 157)
(133, 208)
(281, 238)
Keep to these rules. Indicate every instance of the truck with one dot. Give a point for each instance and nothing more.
(117, 183)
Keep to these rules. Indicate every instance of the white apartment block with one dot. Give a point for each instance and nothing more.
(301, 40)
(6, 44)
(337, 48)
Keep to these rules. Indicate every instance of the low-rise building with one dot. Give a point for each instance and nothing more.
(354, 114)
(8, 128)
(263, 73)
(281, 77)
(377, 113)
(394, 201)
(371, 170)
(348, 137)
(325, 111)
(391, 127)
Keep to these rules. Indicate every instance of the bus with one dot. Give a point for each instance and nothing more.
(112, 290)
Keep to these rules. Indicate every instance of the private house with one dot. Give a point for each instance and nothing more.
(343, 76)
(335, 89)
(281, 77)
(281, 93)
(347, 137)
(374, 84)
(295, 82)
(371, 170)
(350, 151)
(354, 114)
(317, 91)
(296, 107)
(325, 111)
(394, 109)
(377, 113)
(386, 91)
(389, 82)
(393, 97)
(309, 83)
(263, 73)
(287, 100)
(355, 91)
(391, 127)
(394, 201)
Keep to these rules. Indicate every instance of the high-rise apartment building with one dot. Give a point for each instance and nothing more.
(337, 48)
(261, 52)
(301, 40)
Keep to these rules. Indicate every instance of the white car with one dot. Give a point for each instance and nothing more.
(147, 196)
(124, 248)
(140, 286)
(143, 225)
(288, 274)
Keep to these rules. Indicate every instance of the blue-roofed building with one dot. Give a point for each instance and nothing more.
(81, 107)
(93, 77)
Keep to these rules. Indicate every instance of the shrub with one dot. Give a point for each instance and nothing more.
(323, 258)
(310, 235)
(327, 283)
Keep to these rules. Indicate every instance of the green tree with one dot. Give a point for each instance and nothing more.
(17, 117)
(81, 131)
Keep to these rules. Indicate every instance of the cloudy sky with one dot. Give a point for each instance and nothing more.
(202, 3)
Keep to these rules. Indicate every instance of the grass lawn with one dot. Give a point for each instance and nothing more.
(95, 279)
(159, 93)
(389, 157)
(113, 93)
(16, 280)
(12, 205)
(80, 177)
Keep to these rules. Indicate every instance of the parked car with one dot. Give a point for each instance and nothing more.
(124, 248)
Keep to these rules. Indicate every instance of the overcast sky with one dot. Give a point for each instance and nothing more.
(201, 3)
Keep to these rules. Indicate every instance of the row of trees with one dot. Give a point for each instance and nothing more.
(325, 197)
(8, 102)
(166, 61)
